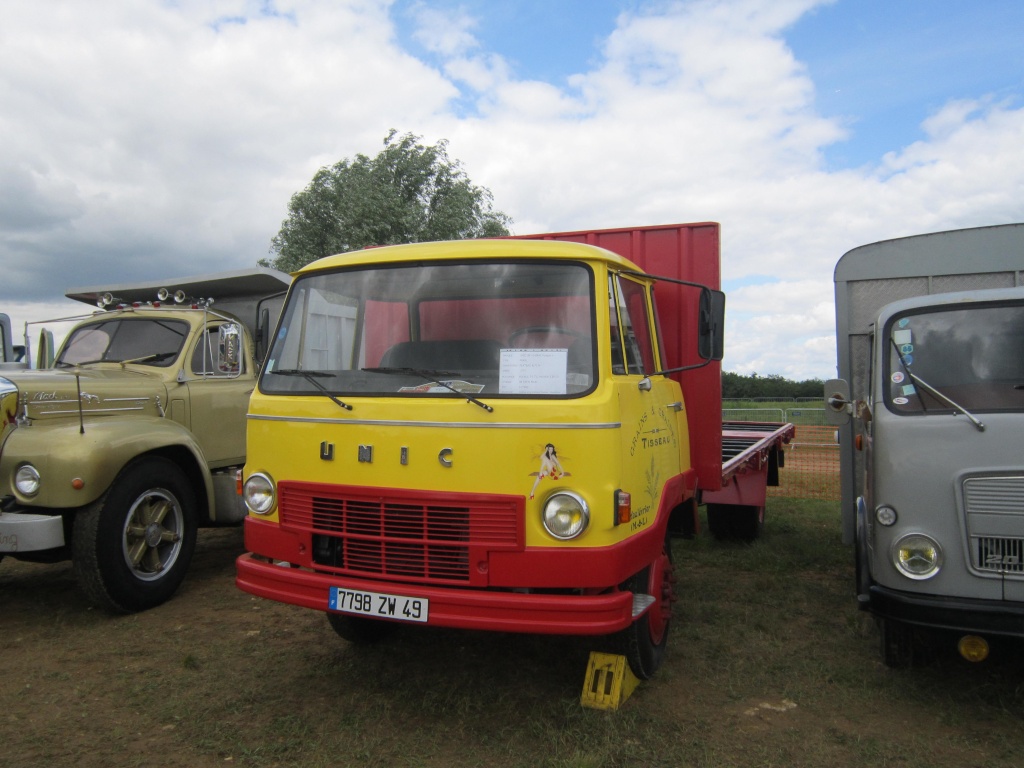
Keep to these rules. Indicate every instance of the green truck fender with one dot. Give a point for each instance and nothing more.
(77, 464)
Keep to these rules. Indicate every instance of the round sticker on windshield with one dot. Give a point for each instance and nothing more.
(900, 401)
(898, 377)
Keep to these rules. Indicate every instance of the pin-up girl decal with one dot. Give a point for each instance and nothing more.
(550, 467)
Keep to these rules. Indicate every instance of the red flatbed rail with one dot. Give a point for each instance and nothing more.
(747, 445)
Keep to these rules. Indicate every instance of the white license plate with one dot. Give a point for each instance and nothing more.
(379, 605)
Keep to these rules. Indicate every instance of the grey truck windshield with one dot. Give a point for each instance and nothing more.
(945, 358)
(448, 329)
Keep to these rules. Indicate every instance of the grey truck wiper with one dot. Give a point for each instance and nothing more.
(932, 390)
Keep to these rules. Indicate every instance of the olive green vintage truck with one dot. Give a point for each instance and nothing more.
(133, 438)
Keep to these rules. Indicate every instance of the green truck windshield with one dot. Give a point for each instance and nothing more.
(973, 357)
(147, 341)
(490, 329)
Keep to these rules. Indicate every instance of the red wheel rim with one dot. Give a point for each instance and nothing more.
(660, 586)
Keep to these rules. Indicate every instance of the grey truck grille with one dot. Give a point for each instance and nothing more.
(995, 523)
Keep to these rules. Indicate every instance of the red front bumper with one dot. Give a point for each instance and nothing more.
(464, 608)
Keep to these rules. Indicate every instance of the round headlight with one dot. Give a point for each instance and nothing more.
(566, 515)
(917, 556)
(26, 480)
(259, 495)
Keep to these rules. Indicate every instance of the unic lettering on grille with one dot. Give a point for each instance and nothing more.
(428, 538)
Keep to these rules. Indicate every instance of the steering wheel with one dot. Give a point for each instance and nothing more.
(548, 329)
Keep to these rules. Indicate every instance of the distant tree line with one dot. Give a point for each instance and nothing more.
(738, 387)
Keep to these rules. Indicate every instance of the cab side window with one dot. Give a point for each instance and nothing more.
(632, 339)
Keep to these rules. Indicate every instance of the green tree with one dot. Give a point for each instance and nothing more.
(408, 193)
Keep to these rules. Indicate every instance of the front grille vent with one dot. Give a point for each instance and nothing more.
(995, 523)
(999, 555)
(425, 537)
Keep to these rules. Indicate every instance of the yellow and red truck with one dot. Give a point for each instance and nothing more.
(499, 435)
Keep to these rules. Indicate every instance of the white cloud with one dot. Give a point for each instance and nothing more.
(142, 140)
(154, 136)
(445, 32)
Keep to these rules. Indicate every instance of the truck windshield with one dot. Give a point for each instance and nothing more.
(443, 329)
(973, 358)
(146, 341)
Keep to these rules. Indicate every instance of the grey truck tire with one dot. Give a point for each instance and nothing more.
(132, 548)
(897, 644)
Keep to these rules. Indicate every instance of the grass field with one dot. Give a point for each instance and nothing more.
(770, 665)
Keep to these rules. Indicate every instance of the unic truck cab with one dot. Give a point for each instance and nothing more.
(481, 434)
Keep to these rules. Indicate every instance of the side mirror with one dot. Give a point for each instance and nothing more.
(229, 348)
(838, 406)
(711, 325)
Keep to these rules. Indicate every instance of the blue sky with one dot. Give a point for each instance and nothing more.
(883, 66)
(144, 139)
(879, 66)
(543, 40)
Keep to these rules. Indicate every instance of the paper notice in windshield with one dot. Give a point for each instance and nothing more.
(533, 371)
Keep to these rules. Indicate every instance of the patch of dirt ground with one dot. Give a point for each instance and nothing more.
(217, 677)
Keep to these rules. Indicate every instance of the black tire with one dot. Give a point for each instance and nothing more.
(897, 644)
(644, 642)
(862, 567)
(359, 630)
(132, 548)
(735, 522)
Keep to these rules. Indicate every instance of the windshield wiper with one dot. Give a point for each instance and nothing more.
(153, 358)
(929, 388)
(310, 376)
(434, 377)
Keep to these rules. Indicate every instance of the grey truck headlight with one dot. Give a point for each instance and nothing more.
(566, 515)
(917, 556)
(26, 480)
(259, 494)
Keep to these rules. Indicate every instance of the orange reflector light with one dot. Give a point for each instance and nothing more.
(973, 648)
(78, 483)
(623, 507)
(238, 482)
